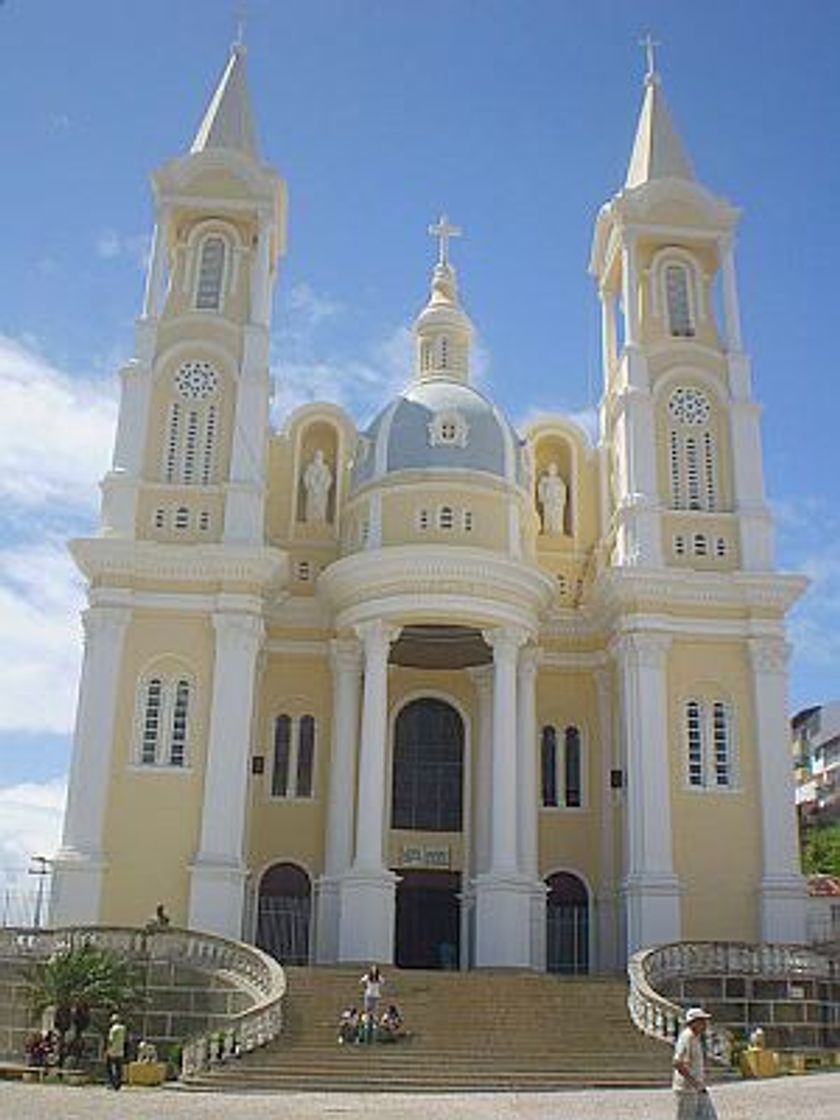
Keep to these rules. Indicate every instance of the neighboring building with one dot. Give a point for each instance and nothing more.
(824, 909)
(438, 691)
(816, 761)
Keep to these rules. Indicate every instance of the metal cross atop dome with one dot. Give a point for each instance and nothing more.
(650, 44)
(444, 231)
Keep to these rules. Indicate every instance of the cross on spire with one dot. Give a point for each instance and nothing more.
(650, 44)
(443, 231)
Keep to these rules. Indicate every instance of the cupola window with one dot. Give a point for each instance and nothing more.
(211, 270)
(448, 429)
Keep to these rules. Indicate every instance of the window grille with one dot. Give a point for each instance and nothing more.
(306, 756)
(151, 722)
(160, 519)
(572, 769)
(692, 454)
(446, 517)
(467, 520)
(549, 767)
(282, 747)
(679, 545)
(720, 547)
(700, 545)
(721, 735)
(211, 268)
(694, 736)
(423, 519)
(204, 521)
(178, 744)
(680, 321)
(709, 742)
(164, 721)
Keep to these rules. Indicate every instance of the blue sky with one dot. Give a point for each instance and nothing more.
(515, 117)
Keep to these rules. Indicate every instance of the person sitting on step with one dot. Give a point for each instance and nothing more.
(348, 1025)
(390, 1025)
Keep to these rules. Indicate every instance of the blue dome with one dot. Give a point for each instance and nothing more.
(439, 425)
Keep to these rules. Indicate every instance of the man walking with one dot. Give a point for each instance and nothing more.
(693, 1102)
(115, 1051)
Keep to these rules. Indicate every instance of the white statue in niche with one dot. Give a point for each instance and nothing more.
(552, 493)
(317, 483)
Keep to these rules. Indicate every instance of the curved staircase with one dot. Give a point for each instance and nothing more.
(469, 1031)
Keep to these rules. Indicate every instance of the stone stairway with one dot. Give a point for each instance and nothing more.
(469, 1031)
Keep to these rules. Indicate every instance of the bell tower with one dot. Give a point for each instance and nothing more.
(684, 471)
(190, 455)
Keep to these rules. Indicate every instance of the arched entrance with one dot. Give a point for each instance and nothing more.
(427, 796)
(283, 913)
(567, 924)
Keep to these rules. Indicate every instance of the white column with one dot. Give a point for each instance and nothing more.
(80, 862)
(346, 657)
(528, 840)
(630, 294)
(609, 952)
(368, 890)
(608, 333)
(651, 889)
(218, 872)
(120, 485)
(731, 310)
(245, 498)
(782, 886)
(156, 278)
(261, 278)
(503, 893)
(482, 678)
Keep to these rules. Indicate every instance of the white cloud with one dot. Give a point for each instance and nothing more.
(56, 431)
(41, 594)
(110, 245)
(30, 821)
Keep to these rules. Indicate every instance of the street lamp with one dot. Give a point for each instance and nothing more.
(41, 870)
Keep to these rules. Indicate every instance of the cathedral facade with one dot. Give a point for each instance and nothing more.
(439, 691)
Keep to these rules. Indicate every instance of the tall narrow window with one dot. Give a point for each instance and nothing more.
(178, 740)
(189, 455)
(679, 305)
(446, 517)
(694, 736)
(549, 767)
(306, 756)
(282, 748)
(151, 722)
(164, 721)
(572, 769)
(211, 270)
(722, 743)
(692, 455)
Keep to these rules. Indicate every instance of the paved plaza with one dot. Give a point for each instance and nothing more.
(818, 1097)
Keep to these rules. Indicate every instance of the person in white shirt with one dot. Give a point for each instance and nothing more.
(689, 1083)
(372, 982)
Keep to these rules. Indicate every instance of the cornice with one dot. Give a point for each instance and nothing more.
(104, 560)
(619, 591)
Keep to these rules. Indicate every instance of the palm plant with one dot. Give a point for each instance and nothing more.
(83, 986)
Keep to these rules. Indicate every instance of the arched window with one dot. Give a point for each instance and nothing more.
(709, 745)
(692, 456)
(428, 768)
(192, 429)
(678, 301)
(164, 721)
(562, 771)
(211, 271)
(293, 762)
(284, 908)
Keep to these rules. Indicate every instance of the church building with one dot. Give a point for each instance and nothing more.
(438, 692)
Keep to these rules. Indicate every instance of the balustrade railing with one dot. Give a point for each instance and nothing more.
(251, 969)
(659, 1017)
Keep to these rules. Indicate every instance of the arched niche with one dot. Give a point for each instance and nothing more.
(323, 436)
(556, 448)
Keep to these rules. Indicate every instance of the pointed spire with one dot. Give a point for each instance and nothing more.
(229, 122)
(658, 152)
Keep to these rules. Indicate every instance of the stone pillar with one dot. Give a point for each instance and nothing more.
(218, 872)
(609, 951)
(80, 862)
(731, 310)
(346, 656)
(503, 894)
(782, 908)
(608, 333)
(528, 798)
(366, 930)
(261, 278)
(482, 678)
(630, 294)
(651, 889)
(156, 278)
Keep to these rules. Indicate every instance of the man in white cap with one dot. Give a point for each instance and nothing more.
(689, 1083)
